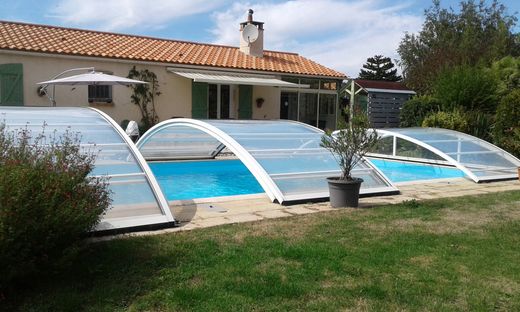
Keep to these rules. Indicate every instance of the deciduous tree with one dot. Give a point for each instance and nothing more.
(478, 34)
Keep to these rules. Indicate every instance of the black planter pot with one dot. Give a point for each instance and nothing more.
(344, 193)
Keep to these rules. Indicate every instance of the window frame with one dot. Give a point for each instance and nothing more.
(109, 99)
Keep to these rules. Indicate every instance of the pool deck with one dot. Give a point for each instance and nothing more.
(215, 212)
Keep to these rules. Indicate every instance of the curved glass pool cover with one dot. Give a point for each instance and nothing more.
(136, 197)
(284, 156)
(478, 159)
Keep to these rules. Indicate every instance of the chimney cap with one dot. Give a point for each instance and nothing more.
(250, 20)
(250, 16)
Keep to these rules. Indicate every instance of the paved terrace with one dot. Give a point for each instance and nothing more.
(215, 212)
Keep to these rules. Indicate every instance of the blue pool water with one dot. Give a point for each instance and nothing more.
(398, 171)
(202, 179)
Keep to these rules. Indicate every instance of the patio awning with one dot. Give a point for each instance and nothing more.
(235, 78)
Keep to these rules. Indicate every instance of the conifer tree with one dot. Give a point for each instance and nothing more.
(379, 68)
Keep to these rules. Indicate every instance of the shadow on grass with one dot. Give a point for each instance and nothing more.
(115, 271)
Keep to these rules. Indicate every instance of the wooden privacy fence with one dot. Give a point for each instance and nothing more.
(384, 108)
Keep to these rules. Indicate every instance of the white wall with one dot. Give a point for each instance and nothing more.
(175, 98)
(271, 107)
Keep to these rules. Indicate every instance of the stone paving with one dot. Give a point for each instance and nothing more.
(207, 213)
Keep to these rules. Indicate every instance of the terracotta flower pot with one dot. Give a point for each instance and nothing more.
(344, 193)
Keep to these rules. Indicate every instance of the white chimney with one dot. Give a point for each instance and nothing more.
(252, 36)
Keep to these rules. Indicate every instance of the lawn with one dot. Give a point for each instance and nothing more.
(451, 254)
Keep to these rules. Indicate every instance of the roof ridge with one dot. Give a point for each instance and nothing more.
(30, 37)
(130, 35)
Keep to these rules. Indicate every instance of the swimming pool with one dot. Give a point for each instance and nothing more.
(181, 180)
(400, 171)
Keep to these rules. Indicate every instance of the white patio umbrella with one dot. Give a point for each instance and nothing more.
(90, 78)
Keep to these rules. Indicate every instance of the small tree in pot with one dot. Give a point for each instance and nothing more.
(348, 146)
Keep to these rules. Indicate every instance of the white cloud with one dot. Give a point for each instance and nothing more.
(338, 34)
(114, 15)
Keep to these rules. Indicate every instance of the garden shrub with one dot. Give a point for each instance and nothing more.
(415, 110)
(466, 88)
(47, 200)
(455, 120)
(506, 132)
(507, 74)
(480, 124)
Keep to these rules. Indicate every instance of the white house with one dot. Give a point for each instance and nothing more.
(196, 79)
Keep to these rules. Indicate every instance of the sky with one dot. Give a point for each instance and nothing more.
(340, 34)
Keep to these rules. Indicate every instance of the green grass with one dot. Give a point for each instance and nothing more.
(451, 254)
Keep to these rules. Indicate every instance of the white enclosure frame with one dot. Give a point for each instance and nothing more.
(150, 177)
(156, 209)
(448, 159)
(252, 165)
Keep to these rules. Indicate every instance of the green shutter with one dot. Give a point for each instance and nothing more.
(199, 100)
(245, 102)
(11, 84)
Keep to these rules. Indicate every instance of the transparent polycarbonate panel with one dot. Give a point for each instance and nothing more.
(115, 159)
(482, 158)
(178, 142)
(132, 197)
(385, 146)
(291, 155)
(132, 194)
(403, 148)
(288, 152)
(409, 149)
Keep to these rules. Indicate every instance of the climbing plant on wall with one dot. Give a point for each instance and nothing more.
(143, 95)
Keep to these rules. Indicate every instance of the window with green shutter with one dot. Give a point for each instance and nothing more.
(11, 84)
(199, 100)
(245, 102)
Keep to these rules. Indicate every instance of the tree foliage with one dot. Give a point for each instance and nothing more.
(379, 68)
(506, 132)
(467, 88)
(350, 143)
(478, 34)
(144, 96)
(507, 74)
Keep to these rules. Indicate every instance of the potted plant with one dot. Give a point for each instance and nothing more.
(348, 146)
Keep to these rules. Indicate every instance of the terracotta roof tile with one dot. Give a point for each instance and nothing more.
(59, 40)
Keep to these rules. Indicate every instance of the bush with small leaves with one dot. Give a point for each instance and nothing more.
(455, 120)
(47, 200)
(415, 110)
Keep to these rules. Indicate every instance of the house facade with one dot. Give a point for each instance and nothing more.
(195, 80)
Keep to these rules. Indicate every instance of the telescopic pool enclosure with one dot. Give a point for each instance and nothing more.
(479, 160)
(284, 156)
(137, 199)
